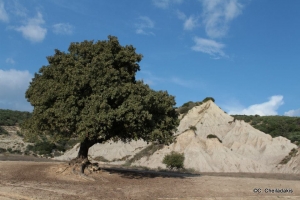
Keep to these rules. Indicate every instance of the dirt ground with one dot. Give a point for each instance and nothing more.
(55, 180)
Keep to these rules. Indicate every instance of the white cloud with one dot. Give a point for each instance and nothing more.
(208, 46)
(217, 14)
(180, 15)
(17, 9)
(10, 61)
(13, 85)
(149, 78)
(63, 29)
(145, 23)
(292, 113)
(32, 30)
(3, 14)
(266, 108)
(165, 3)
(190, 23)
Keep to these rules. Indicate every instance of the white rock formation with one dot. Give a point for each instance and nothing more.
(243, 148)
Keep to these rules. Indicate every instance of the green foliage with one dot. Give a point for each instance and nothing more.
(90, 93)
(285, 126)
(190, 104)
(2, 150)
(3, 131)
(42, 148)
(174, 160)
(19, 133)
(194, 128)
(207, 99)
(213, 136)
(292, 153)
(12, 118)
(187, 106)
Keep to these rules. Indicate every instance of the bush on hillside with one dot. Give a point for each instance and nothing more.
(193, 128)
(207, 99)
(174, 160)
(146, 152)
(190, 104)
(2, 150)
(292, 153)
(213, 136)
(3, 131)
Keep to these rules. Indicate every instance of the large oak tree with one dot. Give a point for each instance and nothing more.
(91, 93)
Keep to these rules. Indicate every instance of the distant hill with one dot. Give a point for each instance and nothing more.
(284, 126)
(12, 118)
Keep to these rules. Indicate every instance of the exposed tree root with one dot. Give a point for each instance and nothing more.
(79, 165)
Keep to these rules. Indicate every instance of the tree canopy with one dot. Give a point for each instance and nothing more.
(91, 92)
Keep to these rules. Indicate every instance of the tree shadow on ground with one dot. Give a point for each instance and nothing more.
(142, 174)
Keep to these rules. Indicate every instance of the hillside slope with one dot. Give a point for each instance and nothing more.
(242, 147)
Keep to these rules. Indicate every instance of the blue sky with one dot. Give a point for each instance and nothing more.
(244, 53)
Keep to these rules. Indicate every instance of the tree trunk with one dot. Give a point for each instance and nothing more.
(84, 149)
(82, 157)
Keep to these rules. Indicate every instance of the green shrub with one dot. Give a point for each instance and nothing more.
(174, 160)
(3, 131)
(9, 150)
(2, 150)
(20, 134)
(193, 128)
(213, 136)
(207, 99)
(292, 153)
(42, 148)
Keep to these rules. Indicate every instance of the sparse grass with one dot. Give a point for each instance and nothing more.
(292, 153)
(181, 170)
(146, 152)
(101, 159)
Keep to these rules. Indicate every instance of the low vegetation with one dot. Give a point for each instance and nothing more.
(213, 136)
(3, 131)
(284, 126)
(146, 152)
(101, 159)
(174, 160)
(12, 118)
(193, 128)
(190, 104)
(292, 153)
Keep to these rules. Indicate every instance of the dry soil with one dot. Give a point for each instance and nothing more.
(55, 180)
